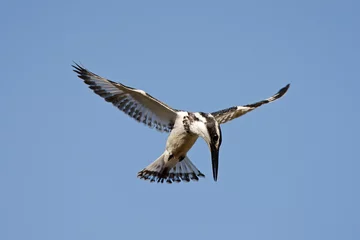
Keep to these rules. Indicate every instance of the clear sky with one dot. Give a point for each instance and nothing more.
(68, 160)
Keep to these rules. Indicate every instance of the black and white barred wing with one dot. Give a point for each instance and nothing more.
(134, 102)
(229, 114)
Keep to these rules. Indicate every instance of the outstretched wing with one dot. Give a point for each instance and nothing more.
(134, 102)
(229, 114)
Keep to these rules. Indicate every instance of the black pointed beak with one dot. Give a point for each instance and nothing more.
(215, 160)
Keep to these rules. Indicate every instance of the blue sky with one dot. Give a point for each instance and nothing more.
(69, 160)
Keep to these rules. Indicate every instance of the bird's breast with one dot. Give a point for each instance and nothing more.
(180, 141)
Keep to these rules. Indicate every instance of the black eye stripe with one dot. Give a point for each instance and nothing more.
(212, 131)
(211, 126)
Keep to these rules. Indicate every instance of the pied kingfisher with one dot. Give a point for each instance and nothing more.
(184, 127)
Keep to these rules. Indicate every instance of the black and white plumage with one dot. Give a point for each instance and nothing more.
(184, 127)
(231, 113)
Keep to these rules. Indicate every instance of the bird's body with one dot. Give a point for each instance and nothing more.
(184, 127)
(180, 140)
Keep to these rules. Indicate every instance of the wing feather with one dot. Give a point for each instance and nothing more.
(134, 102)
(231, 113)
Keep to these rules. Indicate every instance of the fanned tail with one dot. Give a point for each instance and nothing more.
(157, 171)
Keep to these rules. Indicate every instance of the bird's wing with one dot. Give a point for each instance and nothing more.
(134, 102)
(229, 114)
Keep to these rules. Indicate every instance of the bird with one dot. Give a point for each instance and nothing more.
(184, 127)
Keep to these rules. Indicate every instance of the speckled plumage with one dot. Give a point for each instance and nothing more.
(184, 127)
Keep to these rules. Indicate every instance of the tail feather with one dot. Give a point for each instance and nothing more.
(157, 171)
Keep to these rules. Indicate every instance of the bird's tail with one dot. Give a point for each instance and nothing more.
(159, 171)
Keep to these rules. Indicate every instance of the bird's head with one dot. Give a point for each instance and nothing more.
(209, 129)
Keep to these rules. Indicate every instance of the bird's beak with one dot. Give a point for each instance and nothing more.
(215, 160)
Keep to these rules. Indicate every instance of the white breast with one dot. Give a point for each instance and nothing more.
(179, 141)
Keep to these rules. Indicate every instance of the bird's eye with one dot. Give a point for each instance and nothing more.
(215, 138)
